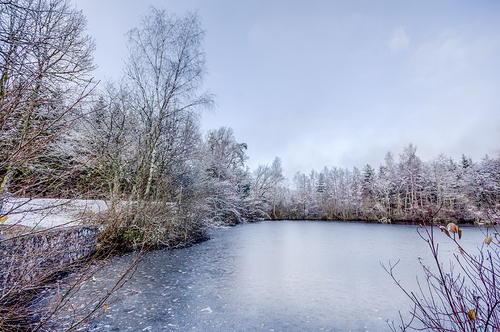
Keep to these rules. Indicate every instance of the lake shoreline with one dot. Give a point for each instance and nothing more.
(392, 222)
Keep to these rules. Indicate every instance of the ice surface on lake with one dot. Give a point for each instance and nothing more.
(281, 276)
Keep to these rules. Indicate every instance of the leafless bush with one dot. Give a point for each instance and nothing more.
(133, 225)
(463, 295)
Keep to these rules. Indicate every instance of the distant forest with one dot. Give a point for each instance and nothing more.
(407, 189)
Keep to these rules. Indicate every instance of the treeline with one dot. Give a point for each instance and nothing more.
(407, 189)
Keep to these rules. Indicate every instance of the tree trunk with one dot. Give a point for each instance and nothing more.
(151, 170)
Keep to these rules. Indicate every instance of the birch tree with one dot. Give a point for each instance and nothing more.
(266, 185)
(165, 70)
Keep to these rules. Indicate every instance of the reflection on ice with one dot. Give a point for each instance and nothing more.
(281, 276)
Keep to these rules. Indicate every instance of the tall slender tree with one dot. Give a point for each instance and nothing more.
(165, 71)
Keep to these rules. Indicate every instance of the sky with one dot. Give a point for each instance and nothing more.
(336, 83)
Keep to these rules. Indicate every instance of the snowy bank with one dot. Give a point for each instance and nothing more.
(49, 212)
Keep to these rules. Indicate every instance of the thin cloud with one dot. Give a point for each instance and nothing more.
(399, 40)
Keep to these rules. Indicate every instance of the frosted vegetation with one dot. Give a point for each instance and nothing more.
(407, 189)
(136, 144)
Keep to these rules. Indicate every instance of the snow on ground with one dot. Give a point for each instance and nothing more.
(49, 212)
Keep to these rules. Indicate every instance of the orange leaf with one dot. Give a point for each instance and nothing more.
(488, 239)
(472, 315)
(105, 308)
(444, 230)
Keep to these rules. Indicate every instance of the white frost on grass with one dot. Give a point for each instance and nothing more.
(49, 212)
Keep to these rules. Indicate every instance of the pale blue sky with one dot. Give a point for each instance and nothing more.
(337, 83)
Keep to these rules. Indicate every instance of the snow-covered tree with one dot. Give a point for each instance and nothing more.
(164, 71)
(265, 187)
(225, 179)
(45, 62)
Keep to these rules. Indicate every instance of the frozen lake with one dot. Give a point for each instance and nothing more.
(275, 276)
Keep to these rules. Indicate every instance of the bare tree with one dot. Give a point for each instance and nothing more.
(225, 178)
(151, 123)
(265, 186)
(165, 69)
(109, 134)
(45, 59)
(460, 295)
